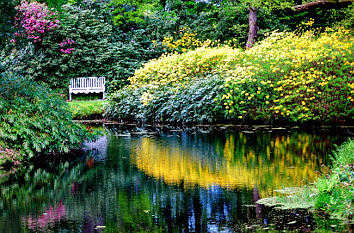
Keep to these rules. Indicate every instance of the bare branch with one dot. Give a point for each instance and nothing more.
(323, 3)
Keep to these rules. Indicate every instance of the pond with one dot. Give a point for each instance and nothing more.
(145, 179)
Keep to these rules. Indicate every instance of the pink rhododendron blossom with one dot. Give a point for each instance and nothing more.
(35, 19)
(64, 44)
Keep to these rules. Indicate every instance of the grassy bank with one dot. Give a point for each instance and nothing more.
(332, 192)
(87, 109)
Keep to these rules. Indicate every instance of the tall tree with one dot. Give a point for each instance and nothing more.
(253, 7)
(297, 6)
(135, 11)
(253, 28)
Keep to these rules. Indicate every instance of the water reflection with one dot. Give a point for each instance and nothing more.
(166, 182)
(97, 150)
(47, 219)
(263, 161)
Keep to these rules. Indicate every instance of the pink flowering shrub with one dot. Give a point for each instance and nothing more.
(80, 45)
(65, 46)
(34, 19)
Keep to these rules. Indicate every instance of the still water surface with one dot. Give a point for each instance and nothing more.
(163, 180)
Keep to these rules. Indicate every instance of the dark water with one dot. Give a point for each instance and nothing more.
(161, 180)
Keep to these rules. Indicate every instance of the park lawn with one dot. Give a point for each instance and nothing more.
(88, 109)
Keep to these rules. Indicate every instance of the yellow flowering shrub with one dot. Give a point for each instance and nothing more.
(289, 76)
(175, 68)
(297, 77)
(187, 40)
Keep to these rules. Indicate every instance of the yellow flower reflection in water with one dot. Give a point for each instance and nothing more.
(283, 162)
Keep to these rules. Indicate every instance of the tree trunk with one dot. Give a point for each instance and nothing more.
(323, 3)
(253, 29)
(252, 14)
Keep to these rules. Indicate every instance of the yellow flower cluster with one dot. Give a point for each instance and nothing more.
(145, 98)
(174, 68)
(304, 75)
(188, 40)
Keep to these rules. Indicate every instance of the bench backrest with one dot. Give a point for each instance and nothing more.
(89, 82)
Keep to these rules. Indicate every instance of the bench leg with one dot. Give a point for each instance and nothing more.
(69, 96)
(104, 95)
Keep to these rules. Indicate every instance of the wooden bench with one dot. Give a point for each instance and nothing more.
(87, 85)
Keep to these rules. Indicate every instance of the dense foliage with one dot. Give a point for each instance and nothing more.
(216, 19)
(60, 52)
(72, 38)
(292, 77)
(81, 43)
(7, 13)
(34, 120)
(195, 103)
(336, 191)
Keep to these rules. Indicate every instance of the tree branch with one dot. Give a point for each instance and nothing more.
(323, 3)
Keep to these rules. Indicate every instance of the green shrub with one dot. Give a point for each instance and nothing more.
(336, 190)
(125, 104)
(194, 103)
(191, 104)
(34, 120)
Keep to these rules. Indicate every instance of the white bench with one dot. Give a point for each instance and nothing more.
(87, 85)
